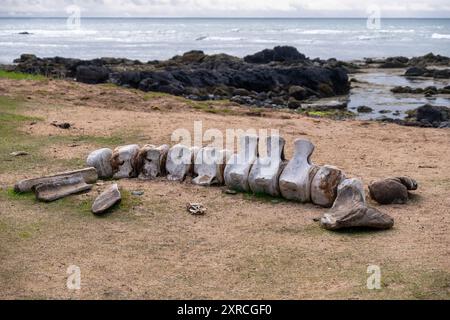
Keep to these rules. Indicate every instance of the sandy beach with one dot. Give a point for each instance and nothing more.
(246, 246)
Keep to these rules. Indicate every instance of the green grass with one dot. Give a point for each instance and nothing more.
(13, 139)
(20, 76)
(73, 204)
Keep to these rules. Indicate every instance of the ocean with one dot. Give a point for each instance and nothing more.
(161, 38)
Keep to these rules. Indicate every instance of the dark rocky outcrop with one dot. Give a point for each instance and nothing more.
(266, 79)
(427, 116)
(277, 54)
(430, 73)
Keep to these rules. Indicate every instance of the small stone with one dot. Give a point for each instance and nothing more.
(364, 109)
(231, 192)
(61, 125)
(137, 193)
(106, 200)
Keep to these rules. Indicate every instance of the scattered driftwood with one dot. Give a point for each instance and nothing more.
(61, 187)
(238, 167)
(106, 200)
(392, 190)
(210, 165)
(350, 210)
(122, 161)
(101, 161)
(325, 184)
(151, 161)
(180, 162)
(89, 176)
(295, 181)
(263, 177)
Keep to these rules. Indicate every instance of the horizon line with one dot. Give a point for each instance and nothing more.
(212, 17)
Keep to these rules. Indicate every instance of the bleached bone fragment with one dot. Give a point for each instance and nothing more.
(295, 181)
(265, 172)
(89, 175)
(210, 165)
(350, 210)
(61, 187)
(151, 161)
(238, 167)
(106, 200)
(122, 161)
(180, 162)
(324, 185)
(101, 161)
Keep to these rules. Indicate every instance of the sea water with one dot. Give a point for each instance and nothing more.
(159, 38)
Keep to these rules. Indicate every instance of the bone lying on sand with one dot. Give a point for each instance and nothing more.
(106, 200)
(392, 190)
(61, 188)
(89, 176)
(248, 170)
(180, 162)
(101, 161)
(210, 165)
(122, 161)
(265, 173)
(350, 210)
(295, 181)
(238, 167)
(150, 161)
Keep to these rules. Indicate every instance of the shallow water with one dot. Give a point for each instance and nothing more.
(376, 93)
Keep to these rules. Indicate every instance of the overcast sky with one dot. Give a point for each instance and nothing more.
(227, 8)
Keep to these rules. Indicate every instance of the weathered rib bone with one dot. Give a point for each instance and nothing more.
(122, 161)
(180, 162)
(238, 167)
(106, 200)
(392, 190)
(295, 181)
(61, 187)
(264, 174)
(210, 165)
(325, 184)
(101, 161)
(350, 210)
(89, 175)
(151, 161)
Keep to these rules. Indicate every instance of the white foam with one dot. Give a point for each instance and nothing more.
(440, 36)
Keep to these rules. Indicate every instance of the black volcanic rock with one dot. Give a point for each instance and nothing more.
(281, 72)
(278, 54)
(92, 74)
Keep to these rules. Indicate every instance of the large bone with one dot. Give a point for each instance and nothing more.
(295, 181)
(180, 162)
(263, 177)
(89, 175)
(392, 190)
(350, 210)
(101, 160)
(210, 165)
(151, 161)
(325, 184)
(61, 187)
(122, 161)
(238, 167)
(106, 200)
